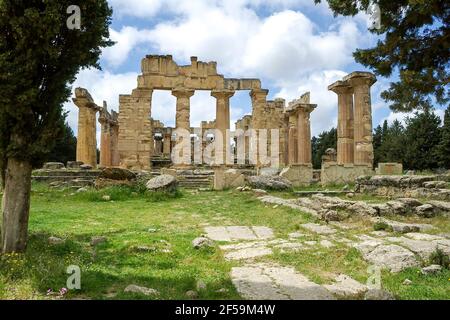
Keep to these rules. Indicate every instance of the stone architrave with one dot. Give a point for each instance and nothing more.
(223, 118)
(345, 131)
(361, 83)
(87, 128)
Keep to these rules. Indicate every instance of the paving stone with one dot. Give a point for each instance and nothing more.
(290, 247)
(238, 233)
(423, 236)
(392, 257)
(326, 244)
(296, 235)
(248, 253)
(263, 232)
(367, 246)
(241, 233)
(275, 282)
(422, 248)
(318, 228)
(347, 288)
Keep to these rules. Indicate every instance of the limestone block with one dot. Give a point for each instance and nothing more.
(298, 174)
(233, 179)
(390, 169)
(332, 173)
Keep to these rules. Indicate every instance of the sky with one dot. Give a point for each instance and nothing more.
(293, 46)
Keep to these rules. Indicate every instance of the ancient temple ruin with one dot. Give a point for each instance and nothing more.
(132, 139)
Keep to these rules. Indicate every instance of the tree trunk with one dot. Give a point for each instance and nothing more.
(16, 205)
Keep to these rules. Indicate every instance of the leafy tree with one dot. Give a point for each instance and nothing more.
(326, 140)
(416, 43)
(444, 145)
(40, 57)
(422, 137)
(65, 148)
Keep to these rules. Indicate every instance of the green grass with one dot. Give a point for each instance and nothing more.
(170, 265)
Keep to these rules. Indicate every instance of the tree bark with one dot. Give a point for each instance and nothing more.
(16, 205)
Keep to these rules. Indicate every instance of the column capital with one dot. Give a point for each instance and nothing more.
(259, 92)
(183, 93)
(222, 94)
(83, 99)
(358, 79)
(340, 87)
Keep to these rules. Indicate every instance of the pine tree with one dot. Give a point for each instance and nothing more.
(422, 137)
(65, 148)
(326, 140)
(444, 146)
(41, 52)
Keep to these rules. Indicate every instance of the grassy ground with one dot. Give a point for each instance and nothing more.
(170, 265)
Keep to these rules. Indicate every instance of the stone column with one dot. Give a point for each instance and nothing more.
(115, 157)
(223, 116)
(345, 131)
(363, 135)
(158, 146)
(87, 127)
(183, 108)
(105, 143)
(166, 144)
(292, 139)
(304, 151)
(183, 115)
(259, 102)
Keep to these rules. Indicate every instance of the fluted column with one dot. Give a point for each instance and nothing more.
(223, 116)
(87, 127)
(304, 150)
(345, 131)
(361, 83)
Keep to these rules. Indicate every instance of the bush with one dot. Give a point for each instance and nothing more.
(440, 258)
(381, 226)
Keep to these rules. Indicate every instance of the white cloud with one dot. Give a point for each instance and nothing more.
(103, 86)
(285, 49)
(125, 40)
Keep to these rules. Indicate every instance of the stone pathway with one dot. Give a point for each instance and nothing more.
(265, 281)
(275, 282)
(236, 233)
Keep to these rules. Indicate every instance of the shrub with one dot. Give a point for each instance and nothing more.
(440, 258)
(381, 226)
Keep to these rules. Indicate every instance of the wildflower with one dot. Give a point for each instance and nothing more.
(49, 291)
(63, 291)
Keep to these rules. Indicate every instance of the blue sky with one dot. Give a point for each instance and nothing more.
(293, 46)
